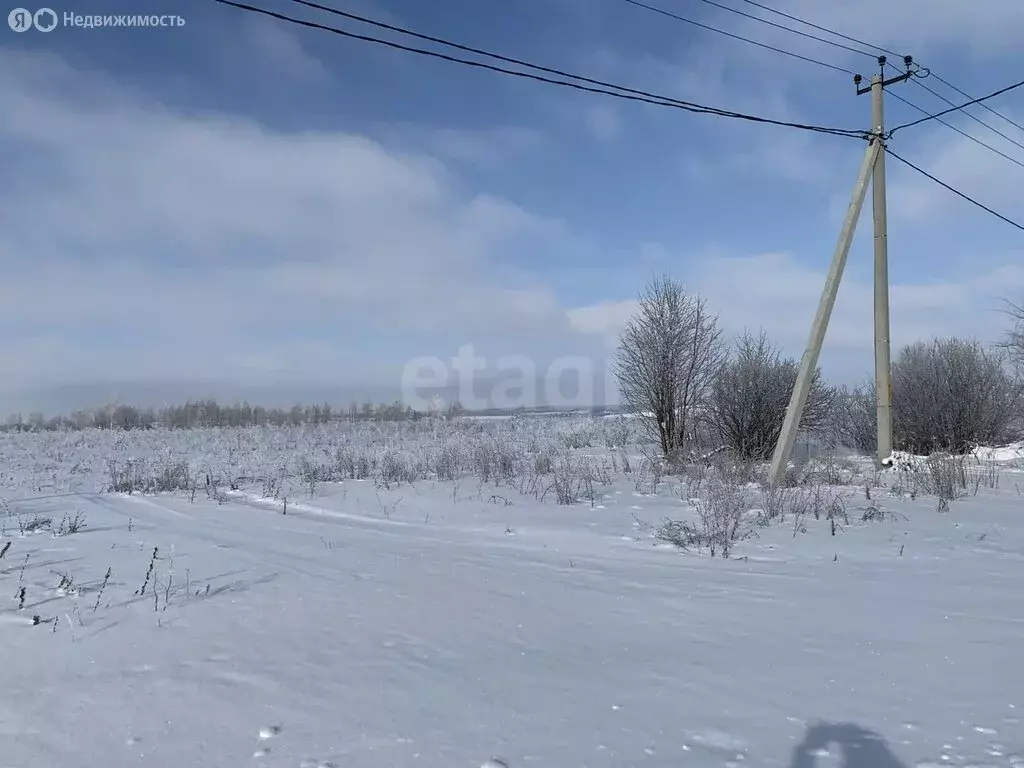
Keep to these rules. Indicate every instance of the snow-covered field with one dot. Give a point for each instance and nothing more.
(438, 594)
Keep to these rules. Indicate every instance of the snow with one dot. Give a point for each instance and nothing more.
(1006, 453)
(468, 623)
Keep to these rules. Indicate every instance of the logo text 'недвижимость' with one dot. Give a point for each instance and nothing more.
(47, 20)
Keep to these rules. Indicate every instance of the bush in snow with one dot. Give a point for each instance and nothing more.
(751, 393)
(723, 510)
(951, 395)
(855, 418)
(1013, 342)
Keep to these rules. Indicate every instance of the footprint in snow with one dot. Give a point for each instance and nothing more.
(270, 732)
(265, 733)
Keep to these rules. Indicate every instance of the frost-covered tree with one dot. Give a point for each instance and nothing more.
(667, 360)
(855, 418)
(1013, 342)
(951, 394)
(752, 392)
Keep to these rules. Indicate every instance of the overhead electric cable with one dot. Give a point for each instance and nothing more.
(848, 38)
(957, 108)
(821, 28)
(952, 127)
(709, 28)
(975, 118)
(606, 89)
(808, 35)
(966, 95)
(844, 47)
(950, 102)
(955, 191)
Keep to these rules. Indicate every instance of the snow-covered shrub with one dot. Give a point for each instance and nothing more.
(751, 393)
(950, 395)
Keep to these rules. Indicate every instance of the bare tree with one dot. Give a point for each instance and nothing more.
(856, 417)
(952, 394)
(667, 360)
(751, 395)
(1013, 342)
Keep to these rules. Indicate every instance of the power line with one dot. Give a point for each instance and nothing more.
(617, 91)
(401, 30)
(847, 48)
(878, 48)
(841, 46)
(966, 95)
(808, 35)
(709, 28)
(952, 127)
(549, 70)
(968, 114)
(821, 28)
(917, 81)
(971, 103)
(955, 191)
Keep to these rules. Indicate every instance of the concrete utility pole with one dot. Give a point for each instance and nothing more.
(873, 167)
(883, 366)
(809, 362)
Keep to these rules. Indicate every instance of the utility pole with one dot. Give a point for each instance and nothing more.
(809, 362)
(883, 363)
(873, 168)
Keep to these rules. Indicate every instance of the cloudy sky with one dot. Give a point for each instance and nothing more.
(243, 203)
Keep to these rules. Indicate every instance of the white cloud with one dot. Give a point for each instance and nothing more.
(605, 319)
(603, 121)
(787, 156)
(961, 163)
(278, 48)
(145, 243)
(486, 148)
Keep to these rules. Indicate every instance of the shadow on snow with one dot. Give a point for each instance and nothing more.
(860, 747)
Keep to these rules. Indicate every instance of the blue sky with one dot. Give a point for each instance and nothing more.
(244, 203)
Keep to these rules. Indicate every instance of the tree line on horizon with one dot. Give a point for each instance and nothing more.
(209, 413)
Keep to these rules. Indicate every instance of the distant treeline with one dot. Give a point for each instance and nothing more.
(210, 413)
